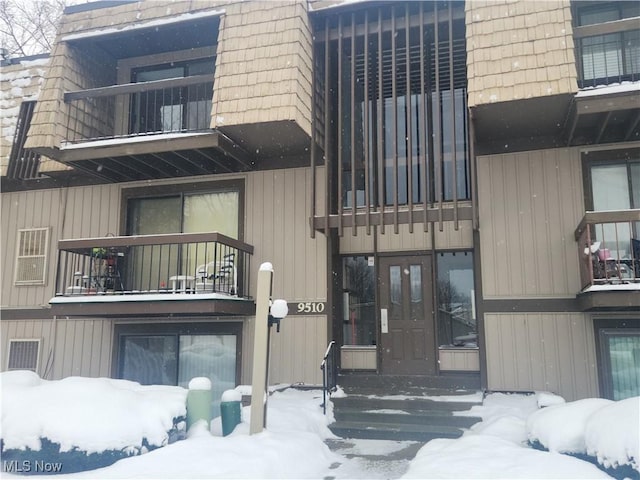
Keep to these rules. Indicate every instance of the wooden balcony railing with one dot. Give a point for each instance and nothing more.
(144, 108)
(609, 248)
(194, 264)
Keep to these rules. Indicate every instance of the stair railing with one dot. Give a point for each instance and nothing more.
(329, 367)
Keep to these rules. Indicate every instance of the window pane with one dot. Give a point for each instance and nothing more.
(150, 360)
(456, 316)
(211, 356)
(415, 276)
(155, 215)
(395, 287)
(359, 314)
(212, 212)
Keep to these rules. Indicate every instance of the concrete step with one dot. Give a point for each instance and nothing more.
(404, 417)
(393, 431)
(366, 402)
(393, 383)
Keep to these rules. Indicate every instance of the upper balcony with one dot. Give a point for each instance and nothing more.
(153, 275)
(609, 251)
(607, 50)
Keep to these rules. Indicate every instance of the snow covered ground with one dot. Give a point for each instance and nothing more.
(77, 411)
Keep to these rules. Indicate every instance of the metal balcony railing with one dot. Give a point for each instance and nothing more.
(144, 108)
(609, 248)
(194, 264)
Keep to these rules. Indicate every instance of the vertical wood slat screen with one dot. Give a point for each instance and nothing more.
(23, 354)
(23, 163)
(395, 132)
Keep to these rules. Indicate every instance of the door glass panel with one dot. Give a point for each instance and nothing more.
(415, 276)
(456, 310)
(149, 359)
(395, 285)
(211, 356)
(359, 314)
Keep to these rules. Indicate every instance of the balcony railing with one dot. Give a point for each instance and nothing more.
(195, 264)
(609, 248)
(132, 109)
(608, 52)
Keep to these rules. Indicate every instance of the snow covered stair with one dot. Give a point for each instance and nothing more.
(405, 412)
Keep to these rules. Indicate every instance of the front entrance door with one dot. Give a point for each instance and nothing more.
(407, 337)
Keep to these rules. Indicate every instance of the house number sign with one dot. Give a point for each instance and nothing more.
(307, 308)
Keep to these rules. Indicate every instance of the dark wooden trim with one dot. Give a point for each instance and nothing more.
(608, 216)
(85, 245)
(588, 105)
(480, 309)
(26, 314)
(465, 212)
(610, 300)
(614, 26)
(530, 305)
(156, 308)
(140, 87)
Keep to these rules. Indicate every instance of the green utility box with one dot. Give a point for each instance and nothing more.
(230, 411)
(199, 401)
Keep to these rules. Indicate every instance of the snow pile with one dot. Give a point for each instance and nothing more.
(87, 414)
(603, 429)
(498, 446)
(612, 434)
(542, 426)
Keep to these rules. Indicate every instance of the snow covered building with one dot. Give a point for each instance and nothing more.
(449, 190)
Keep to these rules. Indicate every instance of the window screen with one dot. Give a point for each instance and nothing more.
(31, 261)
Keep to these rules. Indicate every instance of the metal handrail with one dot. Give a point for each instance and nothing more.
(329, 369)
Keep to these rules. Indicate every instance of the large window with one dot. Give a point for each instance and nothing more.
(215, 210)
(174, 354)
(615, 185)
(611, 54)
(618, 357)
(359, 308)
(456, 300)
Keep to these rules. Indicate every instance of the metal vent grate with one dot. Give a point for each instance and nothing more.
(23, 354)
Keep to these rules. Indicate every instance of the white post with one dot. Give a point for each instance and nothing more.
(260, 348)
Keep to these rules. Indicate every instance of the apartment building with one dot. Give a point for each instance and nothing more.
(447, 190)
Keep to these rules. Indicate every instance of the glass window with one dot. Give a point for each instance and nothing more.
(174, 359)
(621, 348)
(415, 276)
(456, 297)
(616, 186)
(359, 310)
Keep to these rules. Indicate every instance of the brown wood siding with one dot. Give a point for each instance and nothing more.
(529, 206)
(549, 352)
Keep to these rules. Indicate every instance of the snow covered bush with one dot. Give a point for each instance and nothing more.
(85, 423)
(602, 431)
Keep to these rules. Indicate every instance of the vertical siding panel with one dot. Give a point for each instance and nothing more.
(87, 352)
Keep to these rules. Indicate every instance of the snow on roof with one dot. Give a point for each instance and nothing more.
(314, 7)
(141, 25)
(624, 87)
(612, 287)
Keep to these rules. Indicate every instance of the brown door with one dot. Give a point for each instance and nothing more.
(407, 325)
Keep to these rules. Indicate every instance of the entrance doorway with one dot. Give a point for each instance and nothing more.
(407, 322)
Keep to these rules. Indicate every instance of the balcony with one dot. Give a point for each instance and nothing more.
(153, 274)
(609, 252)
(147, 130)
